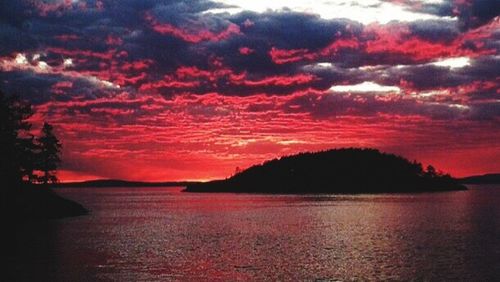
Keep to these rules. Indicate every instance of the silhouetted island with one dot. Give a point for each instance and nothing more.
(491, 178)
(345, 171)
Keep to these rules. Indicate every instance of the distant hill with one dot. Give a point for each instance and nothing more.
(492, 178)
(351, 170)
(108, 183)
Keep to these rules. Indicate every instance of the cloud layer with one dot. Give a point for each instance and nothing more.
(192, 89)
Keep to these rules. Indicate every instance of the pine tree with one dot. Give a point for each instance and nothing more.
(15, 141)
(48, 155)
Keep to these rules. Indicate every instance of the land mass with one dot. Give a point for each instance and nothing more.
(492, 178)
(109, 183)
(34, 202)
(342, 171)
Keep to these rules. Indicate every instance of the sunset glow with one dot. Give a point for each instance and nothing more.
(170, 90)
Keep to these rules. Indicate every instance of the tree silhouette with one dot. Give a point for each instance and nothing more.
(29, 159)
(431, 171)
(23, 157)
(48, 155)
(21, 153)
(15, 141)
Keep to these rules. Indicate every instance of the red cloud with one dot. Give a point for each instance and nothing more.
(207, 136)
(202, 143)
(61, 87)
(190, 78)
(137, 65)
(133, 133)
(168, 84)
(279, 80)
(67, 37)
(108, 55)
(245, 51)
(281, 56)
(397, 39)
(194, 72)
(192, 37)
(113, 40)
(338, 45)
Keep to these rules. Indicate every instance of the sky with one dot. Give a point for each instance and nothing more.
(191, 90)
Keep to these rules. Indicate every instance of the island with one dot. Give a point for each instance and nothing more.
(491, 178)
(336, 171)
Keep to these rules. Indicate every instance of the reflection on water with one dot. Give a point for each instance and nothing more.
(163, 234)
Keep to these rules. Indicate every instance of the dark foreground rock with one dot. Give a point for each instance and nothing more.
(33, 203)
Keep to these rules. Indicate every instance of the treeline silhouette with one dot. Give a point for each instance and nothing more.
(27, 160)
(348, 170)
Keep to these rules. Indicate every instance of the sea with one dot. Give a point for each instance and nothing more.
(164, 234)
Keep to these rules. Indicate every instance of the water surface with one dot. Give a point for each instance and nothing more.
(144, 234)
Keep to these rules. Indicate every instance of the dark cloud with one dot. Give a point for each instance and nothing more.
(156, 80)
(14, 39)
(39, 88)
(482, 68)
(476, 13)
(142, 45)
(430, 76)
(338, 105)
(291, 30)
(435, 30)
(470, 13)
(486, 111)
(27, 85)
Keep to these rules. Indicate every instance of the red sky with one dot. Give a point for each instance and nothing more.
(162, 90)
